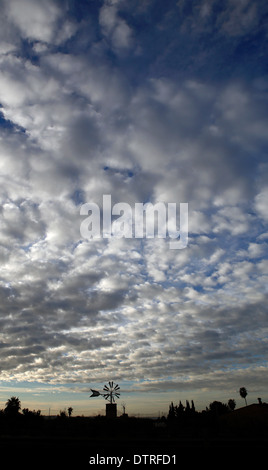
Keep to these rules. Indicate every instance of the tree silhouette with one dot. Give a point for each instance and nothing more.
(31, 414)
(218, 408)
(171, 413)
(187, 407)
(179, 409)
(243, 393)
(13, 406)
(231, 404)
(70, 410)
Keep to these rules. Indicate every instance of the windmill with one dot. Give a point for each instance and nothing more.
(110, 392)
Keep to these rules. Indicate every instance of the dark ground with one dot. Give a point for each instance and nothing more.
(240, 437)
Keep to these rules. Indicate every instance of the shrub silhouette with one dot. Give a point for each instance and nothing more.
(231, 404)
(218, 408)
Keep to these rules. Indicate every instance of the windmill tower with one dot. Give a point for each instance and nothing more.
(109, 393)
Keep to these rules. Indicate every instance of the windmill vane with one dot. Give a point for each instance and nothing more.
(110, 392)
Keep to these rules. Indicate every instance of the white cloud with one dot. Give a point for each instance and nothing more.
(35, 20)
(115, 28)
(231, 219)
(261, 204)
(79, 128)
(6, 48)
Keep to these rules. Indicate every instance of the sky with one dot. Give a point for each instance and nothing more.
(145, 101)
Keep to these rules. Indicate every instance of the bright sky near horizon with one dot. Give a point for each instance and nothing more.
(146, 101)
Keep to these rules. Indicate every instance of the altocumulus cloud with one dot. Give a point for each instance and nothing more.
(160, 101)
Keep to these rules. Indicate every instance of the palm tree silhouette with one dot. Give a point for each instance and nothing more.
(13, 406)
(243, 393)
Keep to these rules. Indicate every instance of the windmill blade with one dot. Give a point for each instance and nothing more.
(110, 390)
(95, 393)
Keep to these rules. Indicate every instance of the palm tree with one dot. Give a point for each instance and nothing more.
(13, 406)
(243, 393)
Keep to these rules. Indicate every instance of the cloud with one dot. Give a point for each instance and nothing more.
(115, 28)
(40, 21)
(239, 18)
(231, 18)
(79, 121)
(34, 20)
(261, 203)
